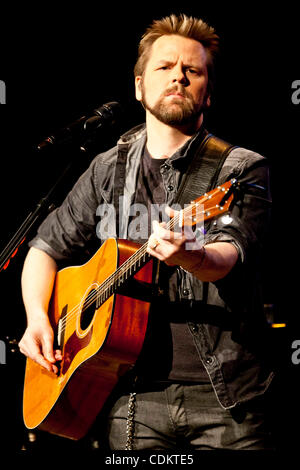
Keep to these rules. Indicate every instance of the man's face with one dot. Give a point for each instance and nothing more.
(173, 87)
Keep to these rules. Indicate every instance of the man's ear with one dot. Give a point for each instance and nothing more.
(207, 101)
(138, 87)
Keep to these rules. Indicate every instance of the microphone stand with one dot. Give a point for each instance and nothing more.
(43, 208)
(88, 128)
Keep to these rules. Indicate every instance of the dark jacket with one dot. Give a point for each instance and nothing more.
(230, 330)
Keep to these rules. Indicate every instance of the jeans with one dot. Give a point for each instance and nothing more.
(188, 416)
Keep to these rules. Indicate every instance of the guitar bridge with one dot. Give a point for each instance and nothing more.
(60, 327)
(59, 332)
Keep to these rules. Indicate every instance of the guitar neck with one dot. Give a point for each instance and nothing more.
(122, 274)
(133, 264)
(209, 205)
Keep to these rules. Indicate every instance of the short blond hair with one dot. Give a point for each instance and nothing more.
(182, 25)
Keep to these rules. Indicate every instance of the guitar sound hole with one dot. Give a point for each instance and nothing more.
(88, 310)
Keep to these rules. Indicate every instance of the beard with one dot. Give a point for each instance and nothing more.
(180, 111)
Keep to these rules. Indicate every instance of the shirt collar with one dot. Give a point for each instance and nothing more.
(189, 146)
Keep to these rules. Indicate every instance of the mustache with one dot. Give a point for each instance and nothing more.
(177, 89)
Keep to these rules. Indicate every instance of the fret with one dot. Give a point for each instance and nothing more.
(201, 209)
(98, 301)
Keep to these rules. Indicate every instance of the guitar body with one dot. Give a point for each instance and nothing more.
(99, 344)
(100, 327)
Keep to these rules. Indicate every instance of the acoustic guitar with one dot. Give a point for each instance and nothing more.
(100, 327)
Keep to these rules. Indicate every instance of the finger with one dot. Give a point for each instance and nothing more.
(171, 212)
(37, 357)
(29, 348)
(58, 355)
(40, 359)
(47, 348)
(32, 351)
(188, 232)
(155, 253)
(152, 242)
(160, 233)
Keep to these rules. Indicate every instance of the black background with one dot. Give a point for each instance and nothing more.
(60, 62)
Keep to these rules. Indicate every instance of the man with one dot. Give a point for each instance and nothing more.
(202, 375)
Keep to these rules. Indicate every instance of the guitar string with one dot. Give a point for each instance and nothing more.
(118, 274)
(115, 276)
(129, 263)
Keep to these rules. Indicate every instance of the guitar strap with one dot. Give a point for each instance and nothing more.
(200, 177)
(203, 172)
(119, 181)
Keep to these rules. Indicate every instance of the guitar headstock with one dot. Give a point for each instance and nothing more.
(210, 205)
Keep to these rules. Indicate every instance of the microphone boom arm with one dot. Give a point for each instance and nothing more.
(79, 132)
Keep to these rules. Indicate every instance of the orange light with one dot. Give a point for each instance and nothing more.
(278, 325)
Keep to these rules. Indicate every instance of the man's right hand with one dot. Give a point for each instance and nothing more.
(37, 344)
(37, 284)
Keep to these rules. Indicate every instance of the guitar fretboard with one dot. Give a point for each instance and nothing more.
(122, 274)
(208, 205)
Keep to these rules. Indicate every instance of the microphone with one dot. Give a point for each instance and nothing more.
(80, 129)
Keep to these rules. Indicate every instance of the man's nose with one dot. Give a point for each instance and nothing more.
(179, 76)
